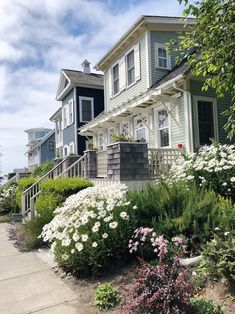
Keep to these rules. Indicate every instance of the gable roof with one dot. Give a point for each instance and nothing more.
(138, 28)
(71, 78)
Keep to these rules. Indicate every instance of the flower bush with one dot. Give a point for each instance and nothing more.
(213, 166)
(92, 228)
(146, 244)
(8, 199)
(160, 289)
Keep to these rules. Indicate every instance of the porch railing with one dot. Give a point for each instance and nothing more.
(161, 159)
(77, 169)
(101, 164)
(29, 195)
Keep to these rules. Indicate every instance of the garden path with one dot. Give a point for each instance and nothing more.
(28, 285)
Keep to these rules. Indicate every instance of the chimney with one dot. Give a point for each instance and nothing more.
(86, 67)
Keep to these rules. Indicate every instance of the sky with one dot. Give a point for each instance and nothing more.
(37, 39)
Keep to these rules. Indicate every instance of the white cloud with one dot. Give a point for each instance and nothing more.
(37, 39)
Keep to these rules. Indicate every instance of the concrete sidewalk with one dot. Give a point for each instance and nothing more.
(27, 285)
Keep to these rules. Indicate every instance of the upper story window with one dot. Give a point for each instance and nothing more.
(163, 128)
(70, 105)
(116, 79)
(86, 108)
(162, 57)
(130, 64)
(65, 117)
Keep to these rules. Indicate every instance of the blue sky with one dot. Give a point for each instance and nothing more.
(37, 39)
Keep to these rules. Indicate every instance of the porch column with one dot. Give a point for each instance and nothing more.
(127, 162)
(91, 164)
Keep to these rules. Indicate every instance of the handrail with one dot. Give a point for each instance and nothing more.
(72, 166)
(45, 175)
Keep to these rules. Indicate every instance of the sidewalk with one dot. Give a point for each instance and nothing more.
(27, 285)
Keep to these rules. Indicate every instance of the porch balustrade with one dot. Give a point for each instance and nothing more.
(161, 159)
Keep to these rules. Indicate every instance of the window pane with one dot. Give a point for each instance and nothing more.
(130, 60)
(116, 79)
(131, 76)
(206, 122)
(86, 110)
(115, 87)
(162, 119)
(164, 137)
(141, 135)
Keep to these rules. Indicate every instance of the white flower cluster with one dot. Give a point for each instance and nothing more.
(215, 159)
(5, 193)
(94, 206)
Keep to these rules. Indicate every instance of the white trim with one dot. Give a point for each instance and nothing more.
(196, 122)
(67, 147)
(91, 99)
(148, 58)
(71, 151)
(112, 81)
(75, 121)
(157, 138)
(156, 56)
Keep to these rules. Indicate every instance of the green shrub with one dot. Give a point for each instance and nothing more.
(92, 229)
(179, 208)
(64, 186)
(42, 169)
(106, 296)
(202, 306)
(218, 258)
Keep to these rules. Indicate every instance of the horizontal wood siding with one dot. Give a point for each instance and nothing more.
(135, 89)
(69, 131)
(178, 129)
(163, 38)
(222, 105)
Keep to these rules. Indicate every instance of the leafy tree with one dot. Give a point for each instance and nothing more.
(213, 40)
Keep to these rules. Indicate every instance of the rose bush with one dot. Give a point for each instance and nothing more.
(213, 167)
(92, 228)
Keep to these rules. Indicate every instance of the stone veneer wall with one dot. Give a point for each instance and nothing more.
(127, 161)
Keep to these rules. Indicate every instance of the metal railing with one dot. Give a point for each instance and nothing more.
(29, 195)
(161, 159)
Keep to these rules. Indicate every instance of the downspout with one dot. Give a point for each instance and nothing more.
(189, 124)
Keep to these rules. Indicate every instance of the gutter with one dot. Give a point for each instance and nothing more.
(189, 113)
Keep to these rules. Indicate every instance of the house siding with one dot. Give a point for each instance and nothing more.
(69, 131)
(222, 105)
(46, 154)
(139, 87)
(163, 38)
(178, 129)
(98, 95)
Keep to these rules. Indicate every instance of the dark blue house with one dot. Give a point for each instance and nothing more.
(82, 98)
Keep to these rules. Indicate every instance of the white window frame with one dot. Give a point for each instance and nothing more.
(64, 115)
(70, 112)
(91, 99)
(66, 147)
(196, 122)
(116, 64)
(127, 83)
(156, 54)
(157, 129)
(71, 151)
(136, 128)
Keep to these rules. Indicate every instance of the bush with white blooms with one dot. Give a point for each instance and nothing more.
(92, 228)
(212, 166)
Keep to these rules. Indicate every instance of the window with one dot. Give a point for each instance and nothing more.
(70, 105)
(101, 143)
(71, 148)
(130, 68)
(205, 120)
(141, 129)
(162, 58)
(86, 106)
(65, 151)
(51, 146)
(124, 129)
(163, 128)
(110, 135)
(65, 117)
(116, 79)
